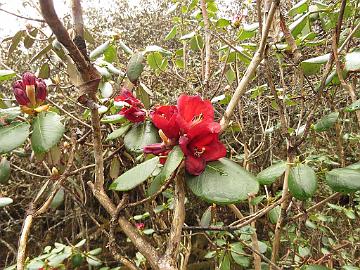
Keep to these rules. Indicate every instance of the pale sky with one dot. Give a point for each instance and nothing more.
(10, 24)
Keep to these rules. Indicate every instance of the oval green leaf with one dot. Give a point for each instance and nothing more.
(47, 131)
(118, 132)
(353, 107)
(4, 171)
(12, 136)
(135, 176)
(326, 122)
(4, 201)
(139, 136)
(135, 67)
(172, 162)
(58, 199)
(6, 75)
(223, 182)
(343, 180)
(302, 182)
(270, 174)
(99, 50)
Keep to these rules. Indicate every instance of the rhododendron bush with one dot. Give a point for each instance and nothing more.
(188, 135)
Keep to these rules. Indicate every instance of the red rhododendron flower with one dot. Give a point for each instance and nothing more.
(164, 118)
(133, 109)
(193, 110)
(201, 144)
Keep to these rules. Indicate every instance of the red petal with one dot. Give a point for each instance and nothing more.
(155, 148)
(194, 166)
(214, 151)
(203, 129)
(164, 118)
(183, 142)
(191, 107)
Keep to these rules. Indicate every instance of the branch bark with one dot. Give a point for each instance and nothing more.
(257, 58)
(207, 44)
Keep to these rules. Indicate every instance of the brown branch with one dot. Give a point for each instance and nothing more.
(169, 260)
(22, 17)
(25, 231)
(258, 56)
(207, 44)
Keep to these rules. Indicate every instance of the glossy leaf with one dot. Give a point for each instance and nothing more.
(135, 67)
(9, 114)
(118, 132)
(4, 171)
(223, 182)
(47, 131)
(139, 136)
(312, 66)
(172, 162)
(205, 220)
(58, 199)
(343, 180)
(171, 34)
(4, 201)
(302, 182)
(6, 75)
(299, 8)
(99, 50)
(326, 122)
(106, 89)
(12, 136)
(135, 176)
(274, 214)
(352, 61)
(270, 174)
(353, 107)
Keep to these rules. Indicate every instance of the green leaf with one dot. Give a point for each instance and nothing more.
(118, 132)
(41, 53)
(12, 136)
(206, 218)
(171, 34)
(299, 8)
(270, 174)
(343, 180)
(223, 182)
(30, 38)
(236, 253)
(315, 267)
(81, 243)
(221, 23)
(6, 75)
(4, 201)
(187, 36)
(155, 60)
(110, 54)
(88, 36)
(58, 199)
(326, 122)
(274, 214)
(4, 171)
(297, 26)
(353, 107)
(9, 114)
(99, 50)
(196, 43)
(135, 176)
(248, 31)
(312, 66)
(113, 119)
(106, 89)
(225, 263)
(139, 136)
(135, 67)
(15, 41)
(172, 162)
(155, 48)
(354, 166)
(352, 61)
(302, 182)
(47, 131)
(114, 168)
(44, 71)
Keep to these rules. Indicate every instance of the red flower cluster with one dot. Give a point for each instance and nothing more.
(191, 125)
(30, 92)
(133, 109)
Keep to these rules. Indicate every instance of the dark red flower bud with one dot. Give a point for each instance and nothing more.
(28, 78)
(21, 97)
(40, 90)
(155, 148)
(18, 84)
(129, 98)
